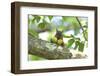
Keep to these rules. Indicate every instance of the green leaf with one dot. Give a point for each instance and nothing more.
(77, 39)
(81, 47)
(85, 26)
(33, 20)
(86, 34)
(72, 36)
(67, 36)
(50, 17)
(38, 18)
(33, 33)
(42, 25)
(76, 44)
(70, 42)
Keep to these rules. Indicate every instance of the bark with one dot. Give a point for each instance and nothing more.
(47, 50)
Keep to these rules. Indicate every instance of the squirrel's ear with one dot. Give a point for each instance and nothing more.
(56, 30)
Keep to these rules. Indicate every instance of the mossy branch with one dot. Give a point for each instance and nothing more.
(46, 49)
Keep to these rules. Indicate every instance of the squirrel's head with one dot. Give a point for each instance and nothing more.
(59, 33)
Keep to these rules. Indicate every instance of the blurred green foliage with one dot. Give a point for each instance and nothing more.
(76, 40)
(34, 57)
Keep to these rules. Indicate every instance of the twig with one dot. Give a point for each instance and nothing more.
(81, 28)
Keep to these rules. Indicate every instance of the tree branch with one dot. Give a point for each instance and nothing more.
(81, 28)
(46, 49)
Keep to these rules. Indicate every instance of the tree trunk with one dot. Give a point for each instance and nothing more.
(47, 50)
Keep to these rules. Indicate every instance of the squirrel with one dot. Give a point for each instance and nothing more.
(58, 38)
